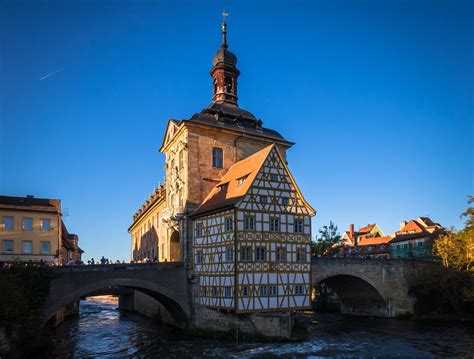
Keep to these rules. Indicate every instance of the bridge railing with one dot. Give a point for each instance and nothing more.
(118, 266)
(368, 261)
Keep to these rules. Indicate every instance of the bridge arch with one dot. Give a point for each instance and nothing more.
(72, 285)
(357, 295)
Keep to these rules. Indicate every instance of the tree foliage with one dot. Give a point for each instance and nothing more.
(329, 239)
(455, 249)
(450, 290)
(23, 288)
(469, 214)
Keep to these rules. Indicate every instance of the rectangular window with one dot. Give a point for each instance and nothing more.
(246, 253)
(228, 292)
(228, 224)
(229, 254)
(299, 290)
(301, 254)
(262, 199)
(260, 254)
(284, 201)
(214, 291)
(181, 159)
(420, 244)
(8, 223)
(263, 291)
(249, 223)
(217, 157)
(8, 246)
(273, 177)
(198, 230)
(298, 225)
(45, 248)
(275, 224)
(273, 289)
(280, 254)
(204, 291)
(245, 291)
(199, 257)
(27, 246)
(27, 224)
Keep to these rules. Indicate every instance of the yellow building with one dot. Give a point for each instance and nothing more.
(31, 229)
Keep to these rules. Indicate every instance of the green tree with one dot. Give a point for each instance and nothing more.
(328, 241)
(469, 214)
(455, 249)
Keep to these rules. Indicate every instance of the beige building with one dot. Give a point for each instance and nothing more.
(32, 229)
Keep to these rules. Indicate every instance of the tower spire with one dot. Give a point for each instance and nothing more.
(224, 30)
(224, 72)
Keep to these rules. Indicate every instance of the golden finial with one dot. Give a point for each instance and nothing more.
(224, 30)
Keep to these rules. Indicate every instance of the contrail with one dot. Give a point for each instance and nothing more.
(51, 74)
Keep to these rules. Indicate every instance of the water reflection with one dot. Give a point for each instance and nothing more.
(103, 331)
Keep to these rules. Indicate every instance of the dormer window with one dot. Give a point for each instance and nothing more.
(241, 180)
(217, 157)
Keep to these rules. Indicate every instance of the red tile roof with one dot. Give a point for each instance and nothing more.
(374, 241)
(228, 191)
(367, 228)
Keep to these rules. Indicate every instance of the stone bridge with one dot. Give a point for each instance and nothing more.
(165, 282)
(374, 287)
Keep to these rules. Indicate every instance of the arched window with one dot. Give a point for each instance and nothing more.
(217, 157)
(228, 84)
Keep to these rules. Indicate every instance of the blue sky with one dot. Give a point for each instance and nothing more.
(377, 95)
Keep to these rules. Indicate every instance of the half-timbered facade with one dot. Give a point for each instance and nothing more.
(252, 237)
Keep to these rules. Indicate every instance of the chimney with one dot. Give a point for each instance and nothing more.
(351, 231)
(402, 224)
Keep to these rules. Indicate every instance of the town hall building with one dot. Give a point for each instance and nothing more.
(229, 207)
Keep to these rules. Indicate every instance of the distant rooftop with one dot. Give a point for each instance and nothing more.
(31, 203)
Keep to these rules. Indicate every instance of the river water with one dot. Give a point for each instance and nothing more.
(101, 330)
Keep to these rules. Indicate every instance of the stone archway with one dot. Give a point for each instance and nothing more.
(175, 246)
(166, 283)
(357, 296)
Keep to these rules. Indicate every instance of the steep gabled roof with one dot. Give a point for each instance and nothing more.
(366, 229)
(237, 181)
(412, 226)
(229, 191)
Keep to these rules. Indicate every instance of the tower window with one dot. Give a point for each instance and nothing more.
(217, 157)
(228, 84)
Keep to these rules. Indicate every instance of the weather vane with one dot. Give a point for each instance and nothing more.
(224, 15)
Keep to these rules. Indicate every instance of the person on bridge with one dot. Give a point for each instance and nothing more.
(103, 260)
